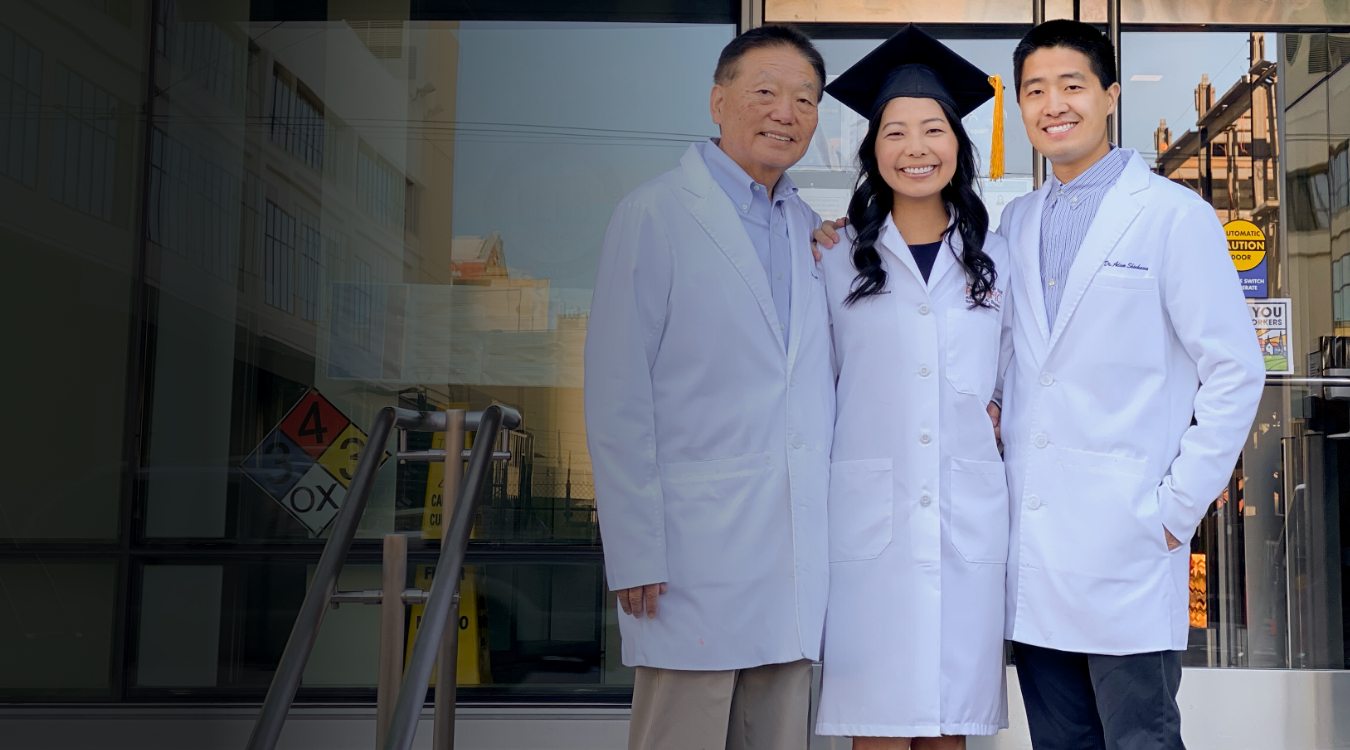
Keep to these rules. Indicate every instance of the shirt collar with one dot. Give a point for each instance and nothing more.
(1100, 175)
(735, 181)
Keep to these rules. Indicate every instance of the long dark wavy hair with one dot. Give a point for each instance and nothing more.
(873, 200)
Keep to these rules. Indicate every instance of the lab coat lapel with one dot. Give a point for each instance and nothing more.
(1117, 212)
(714, 212)
(1026, 253)
(945, 260)
(891, 242)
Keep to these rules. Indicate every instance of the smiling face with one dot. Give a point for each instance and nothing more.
(767, 111)
(916, 149)
(1064, 109)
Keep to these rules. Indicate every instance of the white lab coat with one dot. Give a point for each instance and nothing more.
(710, 442)
(1101, 452)
(918, 502)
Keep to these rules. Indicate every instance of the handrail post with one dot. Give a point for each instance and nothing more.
(412, 695)
(443, 731)
(392, 613)
(305, 631)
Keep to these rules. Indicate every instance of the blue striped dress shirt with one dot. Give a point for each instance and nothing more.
(1069, 211)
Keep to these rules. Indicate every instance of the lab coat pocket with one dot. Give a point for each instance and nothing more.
(1129, 281)
(1100, 521)
(708, 507)
(979, 510)
(971, 345)
(700, 474)
(862, 495)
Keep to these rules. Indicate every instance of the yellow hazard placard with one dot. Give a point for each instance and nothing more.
(472, 663)
(1246, 244)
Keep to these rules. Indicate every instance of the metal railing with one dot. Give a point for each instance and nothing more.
(397, 726)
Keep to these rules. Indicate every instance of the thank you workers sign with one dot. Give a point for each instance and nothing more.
(307, 462)
(1247, 245)
(1270, 317)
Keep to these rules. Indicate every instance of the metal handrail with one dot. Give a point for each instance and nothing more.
(1292, 380)
(286, 680)
(445, 589)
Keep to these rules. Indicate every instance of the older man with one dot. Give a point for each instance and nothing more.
(709, 406)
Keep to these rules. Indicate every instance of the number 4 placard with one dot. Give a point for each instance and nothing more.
(314, 423)
(310, 483)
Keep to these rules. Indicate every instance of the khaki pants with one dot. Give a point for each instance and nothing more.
(761, 708)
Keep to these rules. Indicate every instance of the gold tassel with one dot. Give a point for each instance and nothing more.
(996, 147)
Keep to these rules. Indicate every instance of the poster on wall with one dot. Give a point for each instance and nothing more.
(1270, 317)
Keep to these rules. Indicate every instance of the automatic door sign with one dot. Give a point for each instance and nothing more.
(1247, 246)
(307, 462)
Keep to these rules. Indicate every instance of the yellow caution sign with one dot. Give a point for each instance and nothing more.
(433, 511)
(1246, 244)
(473, 665)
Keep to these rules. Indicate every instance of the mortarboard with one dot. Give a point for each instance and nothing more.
(911, 63)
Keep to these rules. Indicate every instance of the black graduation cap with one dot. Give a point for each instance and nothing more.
(912, 63)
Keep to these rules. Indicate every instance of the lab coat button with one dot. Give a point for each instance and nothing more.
(1042, 441)
(925, 439)
(923, 309)
(923, 372)
(1033, 502)
(925, 501)
(1047, 378)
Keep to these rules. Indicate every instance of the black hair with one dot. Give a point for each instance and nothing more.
(769, 36)
(873, 200)
(1075, 35)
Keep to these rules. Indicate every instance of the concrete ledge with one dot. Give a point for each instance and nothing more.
(1222, 709)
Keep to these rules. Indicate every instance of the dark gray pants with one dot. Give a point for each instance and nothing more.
(1095, 702)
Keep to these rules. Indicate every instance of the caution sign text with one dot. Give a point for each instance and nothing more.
(1247, 247)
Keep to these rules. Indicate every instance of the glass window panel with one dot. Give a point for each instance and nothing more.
(1161, 72)
(70, 318)
(56, 619)
(901, 11)
(1153, 12)
(525, 628)
(483, 301)
(180, 631)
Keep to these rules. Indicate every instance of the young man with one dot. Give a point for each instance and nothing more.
(1134, 382)
(710, 409)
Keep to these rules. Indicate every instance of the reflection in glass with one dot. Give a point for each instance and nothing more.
(351, 214)
(410, 236)
(523, 627)
(70, 158)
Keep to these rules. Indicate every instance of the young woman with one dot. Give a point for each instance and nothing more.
(918, 524)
